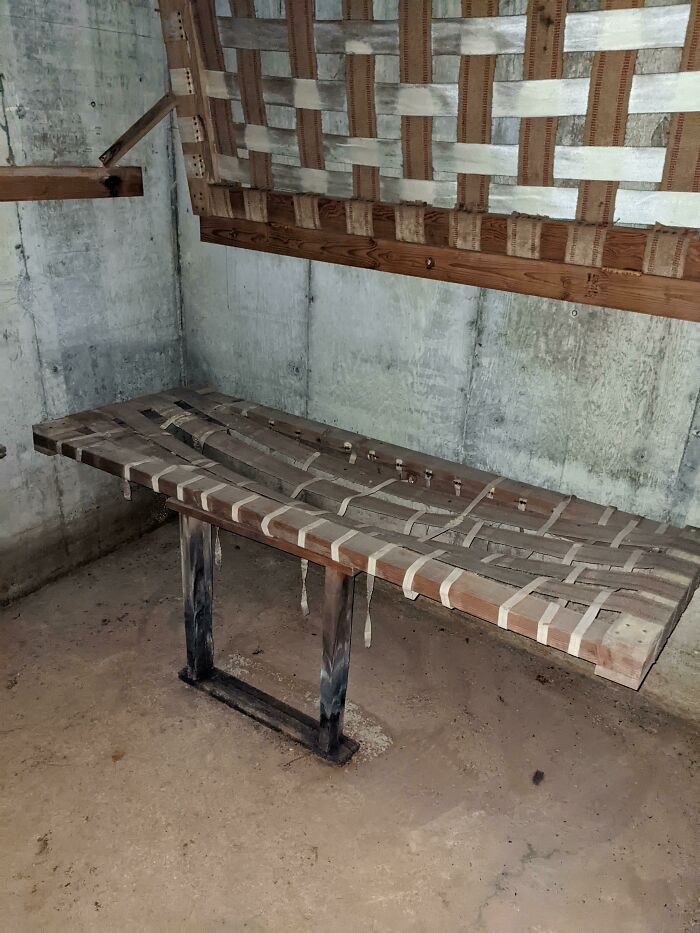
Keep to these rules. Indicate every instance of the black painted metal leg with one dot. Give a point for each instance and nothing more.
(197, 589)
(337, 631)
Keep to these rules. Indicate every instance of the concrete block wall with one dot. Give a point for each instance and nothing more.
(89, 291)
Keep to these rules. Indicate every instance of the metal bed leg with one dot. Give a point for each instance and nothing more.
(335, 663)
(197, 590)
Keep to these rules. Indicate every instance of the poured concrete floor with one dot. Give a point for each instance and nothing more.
(128, 801)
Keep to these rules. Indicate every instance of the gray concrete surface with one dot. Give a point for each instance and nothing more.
(130, 802)
(89, 294)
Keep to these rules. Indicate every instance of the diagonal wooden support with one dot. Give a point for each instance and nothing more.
(138, 130)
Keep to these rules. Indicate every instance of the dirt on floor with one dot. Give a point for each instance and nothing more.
(495, 790)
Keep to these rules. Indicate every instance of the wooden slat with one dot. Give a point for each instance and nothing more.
(612, 288)
(138, 130)
(68, 182)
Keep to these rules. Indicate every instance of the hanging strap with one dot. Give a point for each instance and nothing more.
(217, 550)
(371, 572)
(304, 595)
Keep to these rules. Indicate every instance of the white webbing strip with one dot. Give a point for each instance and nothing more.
(81, 437)
(301, 537)
(126, 489)
(265, 524)
(373, 558)
(307, 463)
(247, 409)
(209, 492)
(605, 517)
(371, 571)
(661, 529)
(177, 419)
(236, 507)
(361, 495)
(544, 528)
(304, 594)
(472, 534)
(571, 553)
(446, 585)
(458, 519)
(621, 535)
(155, 480)
(335, 545)
(631, 561)
(518, 597)
(412, 520)
(129, 467)
(218, 557)
(545, 621)
(491, 557)
(186, 482)
(574, 575)
(587, 619)
(304, 485)
(201, 438)
(411, 572)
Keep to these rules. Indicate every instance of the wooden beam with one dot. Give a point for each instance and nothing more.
(613, 288)
(138, 130)
(67, 182)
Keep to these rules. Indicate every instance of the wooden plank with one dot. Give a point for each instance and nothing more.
(68, 182)
(612, 288)
(138, 130)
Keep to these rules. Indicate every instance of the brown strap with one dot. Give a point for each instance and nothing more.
(410, 223)
(465, 230)
(358, 218)
(585, 244)
(474, 109)
(362, 118)
(524, 235)
(544, 54)
(416, 67)
(254, 110)
(682, 166)
(666, 250)
(306, 211)
(302, 58)
(606, 121)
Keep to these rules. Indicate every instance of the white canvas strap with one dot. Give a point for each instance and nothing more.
(631, 561)
(304, 485)
(304, 594)
(155, 479)
(371, 572)
(130, 466)
(545, 621)
(446, 585)
(518, 597)
(210, 492)
(186, 482)
(412, 519)
(621, 535)
(218, 559)
(265, 524)
(237, 506)
(662, 528)
(364, 494)
(571, 553)
(307, 463)
(201, 438)
(469, 539)
(587, 619)
(301, 536)
(411, 572)
(605, 517)
(178, 418)
(335, 545)
(544, 528)
(458, 519)
(573, 576)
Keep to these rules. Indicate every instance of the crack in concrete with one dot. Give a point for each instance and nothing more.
(500, 884)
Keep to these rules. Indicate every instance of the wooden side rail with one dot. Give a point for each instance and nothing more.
(323, 737)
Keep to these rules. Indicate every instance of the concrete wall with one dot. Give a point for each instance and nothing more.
(89, 294)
